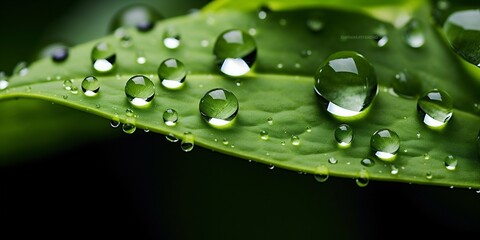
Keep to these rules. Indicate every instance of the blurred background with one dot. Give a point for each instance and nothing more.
(141, 186)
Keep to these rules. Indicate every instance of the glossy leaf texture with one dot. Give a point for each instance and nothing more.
(280, 120)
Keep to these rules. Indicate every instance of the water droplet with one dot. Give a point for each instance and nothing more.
(129, 127)
(385, 144)
(103, 57)
(21, 69)
(129, 112)
(429, 175)
(346, 83)
(332, 160)
(172, 73)
(306, 53)
(435, 108)
(225, 141)
(419, 135)
(362, 178)
(58, 52)
(219, 107)
(115, 121)
(170, 117)
(74, 90)
(264, 135)
(271, 166)
(235, 52)
(344, 135)
(140, 90)
(138, 15)
(380, 36)
(187, 142)
(406, 84)
(367, 162)
(263, 12)
(171, 137)
(393, 170)
(90, 86)
(171, 38)
(426, 156)
(450, 162)
(414, 35)
(295, 140)
(315, 24)
(141, 58)
(67, 84)
(3, 81)
(321, 173)
(270, 121)
(462, 29)
(125, 39)
(308, 129)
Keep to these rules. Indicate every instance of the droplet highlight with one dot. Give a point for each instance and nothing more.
(188, 142)
(171, 38)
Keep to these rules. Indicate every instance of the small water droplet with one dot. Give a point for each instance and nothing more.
(451, 162)
(279, 66)
(435, 108)
(252, 31)
(58, 52)
(74, 90)
(219, 107)
(344, 135)
(419, 135)
(67, 84)
(187, 142)
(129, 127)
(138, 15)
(385, 144)
(172, 73)
(362, 178)
(306, 53)
(225, 141)
(271, 166)
(264, 135)
(90, 86)
(235, 52)
(315, 24)
(380, 36)
(140, 90)
(129, 112)
(124, 38)
(346, 83)
(308, 129)
(406, 84)
(98, 105)
(171, 137)
(295, 140)
(367, 162)
(103, 57)
(171, 38)
(263, 12)
(21, 69)
(414, 35)
(170, 117)
(394, 170)
(270, 121)
(65, 97)
(429, 175)
(283, 143)
(332, 160)
(3, 81)
(141, 58)
(321, 173)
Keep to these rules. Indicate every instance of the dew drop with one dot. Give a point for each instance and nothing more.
(414, 35)
(67, 84)
(219, 107)
(429, 175)
(435, 108)
(103, 57)
(140, 90)
(450, 162)
(344, 135)
(305, 53)
(295, 140)
(271, 166)
(235, 52)
(406, 84)
(462, 29)
(263, 12)
(264, 135)
(385, 144)
(170, 117)
(129, 112)
(171, 137)
(58, 52)
(332, 160)
(380, 36)
(138, 15)
(125, 39)
(321, 173)
(3, 81)
(129, 127)
(90, 86)
(346, 83)
(315, 24)
(115, 121)
(270, 121)
(367, 162)
(362, 178)
(225, 141)
(141, 59)
(187, 142)
(394, 170)
(21, 69)
(171, 38)
(426, 156)
(172, 73)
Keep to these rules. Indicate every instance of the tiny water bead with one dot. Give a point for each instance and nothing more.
(295, 140)
(172, 73)
(380, 36)
(346, 83)
(140, 16)
(414, 33)
(219, 107)
(103, 57)
(315, 24)
(21, 69)
(363, 178)
(450, 162)
(170, 117)
(385, 144)
(90, 86)
(367, 162)
(321, 173)
(435, 108)
(235, 52)
(67, 84)
(140, 90)
(344, 135)
(332, 160)
(188, 142)
(406, 84)
(264, 135)
(3, 81)
(171, 38)
(462, 29)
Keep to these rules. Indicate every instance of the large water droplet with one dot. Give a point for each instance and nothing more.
(172, 73)
(3, 81)
(138, 15)
(219, 107)
(462, 29)
(406, 84)
(346, 83)
(90, 86)
(435, 108)
(170, 117)
(414, 35)
(450, 162)
(385, 144)
(235, 52)
(140, 90)
(103, 57)
(321, 173)
(188, 142)
(171, 38)
(344, 135)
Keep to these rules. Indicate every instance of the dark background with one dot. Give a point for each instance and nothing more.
(141, 186)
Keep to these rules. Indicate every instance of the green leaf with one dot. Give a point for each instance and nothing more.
(280, 89)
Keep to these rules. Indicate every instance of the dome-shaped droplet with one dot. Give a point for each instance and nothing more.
(450, 162)
(235, 52)
(462, 29)
(140, 90)
(264, 135)
(435, 108)
(170, 117)
(332, 160)
(138, 15)
(363, 178)
(367, 162)
(344, 135)
(218, 107)
(90, 86)
(172, 73)
(414, 33)
(103, 57)
(188, 142)
(129, 127)
(346, 83)
(171, 38)
(385, 144)
(21, 69)
(406, 84)
(3, 81)
(295, 140)
(321, 173)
